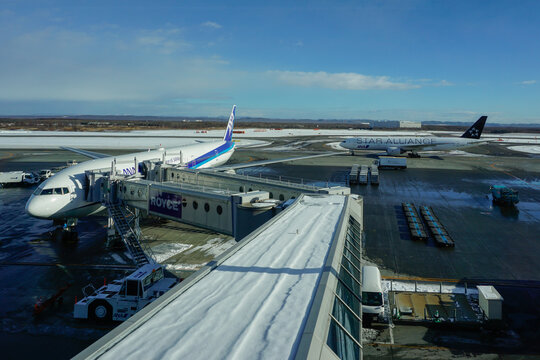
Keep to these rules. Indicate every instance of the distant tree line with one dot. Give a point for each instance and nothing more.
(104, 124)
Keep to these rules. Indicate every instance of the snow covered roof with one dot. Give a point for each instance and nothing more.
(253, 302)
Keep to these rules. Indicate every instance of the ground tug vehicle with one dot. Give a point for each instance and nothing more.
(122, 298)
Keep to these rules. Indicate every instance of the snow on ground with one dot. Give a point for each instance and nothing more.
(162, 252)
(425, 287)
(294, 145)
(106, 141)
(253, 305)
(526, 149)
(452, 153)
(213, 247)
(184, 267)
(369, 335)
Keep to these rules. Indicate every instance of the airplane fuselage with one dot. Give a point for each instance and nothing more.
(393, 144)
(63, 195)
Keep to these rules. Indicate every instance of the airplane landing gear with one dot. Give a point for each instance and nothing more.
(66, 230)
(413, 155)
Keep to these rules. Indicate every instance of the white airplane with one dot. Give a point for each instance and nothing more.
(396, 145)
(62, 196)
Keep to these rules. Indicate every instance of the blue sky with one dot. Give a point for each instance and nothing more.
(409, 60)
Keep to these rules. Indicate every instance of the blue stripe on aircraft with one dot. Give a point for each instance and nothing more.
(203, 159)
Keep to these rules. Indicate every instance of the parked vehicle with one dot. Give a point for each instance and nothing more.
(372, 293)
(503, 195)
(391, 162)
(18, 178)
(45, 174)
(123, 298)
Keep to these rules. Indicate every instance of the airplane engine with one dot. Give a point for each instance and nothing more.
(393, 150)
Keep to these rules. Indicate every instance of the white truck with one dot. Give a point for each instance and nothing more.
(45, 174)
(372, 294)
(18, 178)
(122, 298)
(391, 162)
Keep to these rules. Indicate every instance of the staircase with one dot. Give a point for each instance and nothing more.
(129, 236)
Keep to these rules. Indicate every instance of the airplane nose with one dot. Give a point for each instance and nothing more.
(35, 209)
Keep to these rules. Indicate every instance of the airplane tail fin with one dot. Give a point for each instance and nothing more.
(230, 126)
(475, 131)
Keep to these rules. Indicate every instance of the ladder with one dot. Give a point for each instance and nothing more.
(129, 236)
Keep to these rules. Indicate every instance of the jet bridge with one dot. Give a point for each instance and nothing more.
(223, 202)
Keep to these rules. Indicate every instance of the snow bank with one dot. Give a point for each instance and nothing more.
(527, 149)
(424, 287)
(162, 252)
(253, 305)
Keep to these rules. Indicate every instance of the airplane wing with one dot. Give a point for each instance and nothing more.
(90, 154)
(274, 161)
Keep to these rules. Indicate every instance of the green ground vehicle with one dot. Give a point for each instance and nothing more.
(503, 195)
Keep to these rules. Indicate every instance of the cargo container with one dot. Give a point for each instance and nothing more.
(391, 162)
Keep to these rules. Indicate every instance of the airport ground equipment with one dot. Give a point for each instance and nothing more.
(503, 195)
(45, 174)
(416, 227)
(374, 175)
(391, 162)
(363, 176)
(490, 302)
(353, 175)
(40, 305)
(439, 233)
(122, 298)
(427, 301)
(131, 235)
(18, 178)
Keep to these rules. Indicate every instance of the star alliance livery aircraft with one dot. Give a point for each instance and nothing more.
(395, 145)
(63, 195)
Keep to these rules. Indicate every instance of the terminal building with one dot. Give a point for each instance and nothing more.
(289, 289)
(409, 124)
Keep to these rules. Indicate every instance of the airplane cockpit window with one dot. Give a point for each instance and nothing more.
(55, 191)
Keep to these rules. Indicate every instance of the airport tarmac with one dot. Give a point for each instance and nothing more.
(34, 265)
(491, 243)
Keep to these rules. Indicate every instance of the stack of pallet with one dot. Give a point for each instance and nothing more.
(439, 233)
(418, 232)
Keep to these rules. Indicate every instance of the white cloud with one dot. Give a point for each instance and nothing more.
(443, 83)
(528, 82)
(343, 81)
(212, 24)
(166, 41)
